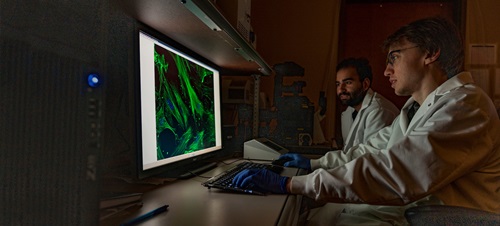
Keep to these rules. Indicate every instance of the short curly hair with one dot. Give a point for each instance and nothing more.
(433, 34)
(361, 65)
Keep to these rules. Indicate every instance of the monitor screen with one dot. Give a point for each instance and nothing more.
(180, 116)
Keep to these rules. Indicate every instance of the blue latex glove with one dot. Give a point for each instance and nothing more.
(263, 179)
(296, 160)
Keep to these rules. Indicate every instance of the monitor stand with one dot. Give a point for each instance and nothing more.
(199, 170)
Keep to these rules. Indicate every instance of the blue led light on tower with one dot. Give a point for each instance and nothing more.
(93, 80)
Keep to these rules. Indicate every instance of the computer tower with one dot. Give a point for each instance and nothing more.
(51, 102)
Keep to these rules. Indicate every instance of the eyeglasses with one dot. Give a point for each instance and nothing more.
(391, 58)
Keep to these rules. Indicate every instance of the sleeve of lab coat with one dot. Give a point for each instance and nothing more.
(376, 119)
(337, 158)
(452, 139)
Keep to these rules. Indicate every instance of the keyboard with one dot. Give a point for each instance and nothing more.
(224, 180)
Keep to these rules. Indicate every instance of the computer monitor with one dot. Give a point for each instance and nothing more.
(179, 117)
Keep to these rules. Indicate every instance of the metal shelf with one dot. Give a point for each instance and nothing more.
(225, 47)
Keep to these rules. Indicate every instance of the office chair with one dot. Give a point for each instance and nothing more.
(450, 215)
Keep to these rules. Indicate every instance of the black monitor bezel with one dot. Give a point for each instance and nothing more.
(175, 169)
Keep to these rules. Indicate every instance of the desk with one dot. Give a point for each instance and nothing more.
(190, 203)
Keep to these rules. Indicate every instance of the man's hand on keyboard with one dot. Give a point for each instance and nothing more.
(296, 160)
(263, 179)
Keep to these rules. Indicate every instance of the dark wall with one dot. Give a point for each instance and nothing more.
(366, 26)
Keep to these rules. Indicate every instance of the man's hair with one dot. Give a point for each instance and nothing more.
(361, 65)
(433, 34)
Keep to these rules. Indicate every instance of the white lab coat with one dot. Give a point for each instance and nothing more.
(449, 151)
(376, 113)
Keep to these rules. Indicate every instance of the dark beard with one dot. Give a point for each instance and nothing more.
(356, 98)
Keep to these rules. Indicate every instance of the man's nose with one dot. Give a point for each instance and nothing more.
(388, 70)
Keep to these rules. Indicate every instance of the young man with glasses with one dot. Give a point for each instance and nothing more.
(448, 152)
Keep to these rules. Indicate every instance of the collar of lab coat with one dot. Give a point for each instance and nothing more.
(350, 123)
(367, 99)
(452, 83)
(366, 102)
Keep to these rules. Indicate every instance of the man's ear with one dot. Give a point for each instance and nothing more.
(366, 84)
(431, 57)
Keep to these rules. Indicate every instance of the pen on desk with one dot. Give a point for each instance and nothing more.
(146, 216)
